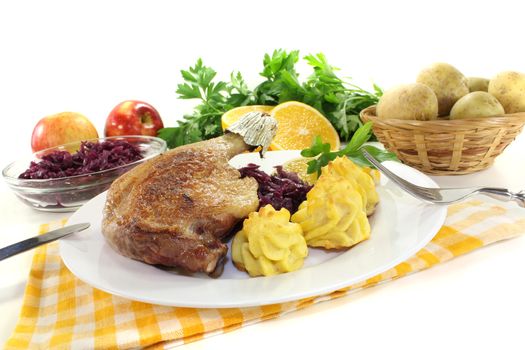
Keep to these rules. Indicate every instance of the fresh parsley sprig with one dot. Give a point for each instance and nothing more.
(321, 154)
(217, 97)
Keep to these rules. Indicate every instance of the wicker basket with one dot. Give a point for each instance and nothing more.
(447, 147)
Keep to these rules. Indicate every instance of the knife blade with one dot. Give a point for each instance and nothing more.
(36, 241)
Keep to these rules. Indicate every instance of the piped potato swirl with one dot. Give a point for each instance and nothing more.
(334, 214)
(269, 243)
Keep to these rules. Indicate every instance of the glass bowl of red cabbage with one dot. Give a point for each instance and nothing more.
(63, 178)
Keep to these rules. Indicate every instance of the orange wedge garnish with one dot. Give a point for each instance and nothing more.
(298, 124)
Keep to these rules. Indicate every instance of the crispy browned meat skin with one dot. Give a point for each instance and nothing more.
(174, 209)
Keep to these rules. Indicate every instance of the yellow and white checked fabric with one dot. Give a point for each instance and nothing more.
(60, 311)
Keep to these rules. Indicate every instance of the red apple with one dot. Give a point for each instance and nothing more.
(61, 128)
(133, 118)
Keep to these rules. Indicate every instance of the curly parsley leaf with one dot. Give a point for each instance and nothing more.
(216, 98)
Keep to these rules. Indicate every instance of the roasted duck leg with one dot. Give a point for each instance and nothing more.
(174, 209)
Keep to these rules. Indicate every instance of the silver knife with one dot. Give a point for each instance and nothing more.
(36, 241)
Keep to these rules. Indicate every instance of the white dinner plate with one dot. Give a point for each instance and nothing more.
(401, 226)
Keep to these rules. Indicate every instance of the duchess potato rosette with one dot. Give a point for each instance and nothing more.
(364, 177)
(333, 216)
(269, 243)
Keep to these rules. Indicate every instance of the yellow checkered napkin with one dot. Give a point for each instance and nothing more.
(60, 311)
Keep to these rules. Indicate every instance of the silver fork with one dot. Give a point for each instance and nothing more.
(447, 195)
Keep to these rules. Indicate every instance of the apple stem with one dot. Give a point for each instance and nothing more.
(146, 119)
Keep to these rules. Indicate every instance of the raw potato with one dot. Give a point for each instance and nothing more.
(509, 89)
(447, 82)
(410, 101)
(478, 84)
(477, 104)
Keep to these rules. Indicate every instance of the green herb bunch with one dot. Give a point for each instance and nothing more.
(335, 98)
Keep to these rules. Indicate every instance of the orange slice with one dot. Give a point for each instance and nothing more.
(298, 125)
(235, 114)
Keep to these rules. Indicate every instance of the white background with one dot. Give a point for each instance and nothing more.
(66, 56)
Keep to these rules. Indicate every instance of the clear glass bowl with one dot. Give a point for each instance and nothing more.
(69, 193)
